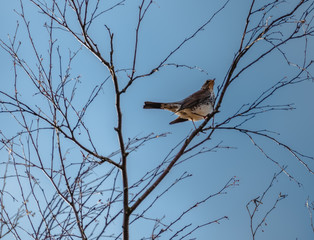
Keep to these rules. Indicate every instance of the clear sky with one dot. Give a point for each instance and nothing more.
(166, 25)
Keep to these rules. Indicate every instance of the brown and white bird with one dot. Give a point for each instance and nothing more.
(195, 107)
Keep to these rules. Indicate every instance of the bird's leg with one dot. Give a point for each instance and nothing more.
(213, 123)
(204, 117)
(196, 128)
(194, 124)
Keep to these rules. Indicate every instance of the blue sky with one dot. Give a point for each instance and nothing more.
(167, 24)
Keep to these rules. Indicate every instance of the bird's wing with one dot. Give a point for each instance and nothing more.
(194, 99)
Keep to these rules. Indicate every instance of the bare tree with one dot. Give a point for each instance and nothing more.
(68, 186)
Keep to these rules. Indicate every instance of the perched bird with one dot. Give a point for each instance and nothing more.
(195, 107)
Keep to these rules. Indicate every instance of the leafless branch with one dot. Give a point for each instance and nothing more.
(255, 205)
(310, 208)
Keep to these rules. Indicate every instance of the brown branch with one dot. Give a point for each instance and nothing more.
(171, 164)
(258, 201)
(124, 154)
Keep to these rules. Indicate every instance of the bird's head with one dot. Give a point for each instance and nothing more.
(209, 84)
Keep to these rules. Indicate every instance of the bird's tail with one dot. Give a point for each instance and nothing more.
(173, 107)
(148, 105)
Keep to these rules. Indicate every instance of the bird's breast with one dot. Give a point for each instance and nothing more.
(197, 113)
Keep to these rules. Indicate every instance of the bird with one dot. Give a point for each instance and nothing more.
(193, 108)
